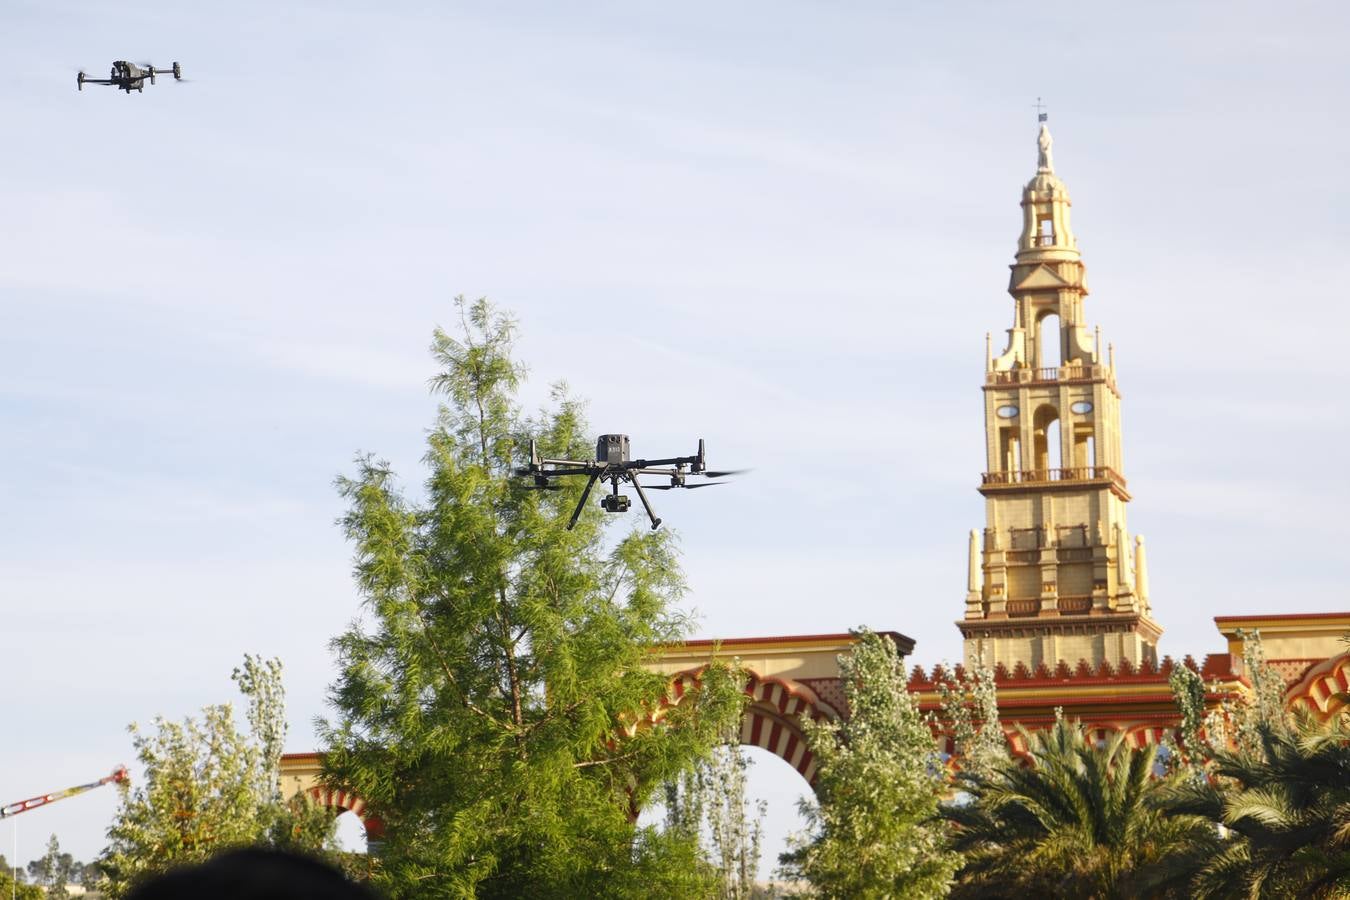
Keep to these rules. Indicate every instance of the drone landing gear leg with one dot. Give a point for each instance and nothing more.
(642, 495)
(581, 504)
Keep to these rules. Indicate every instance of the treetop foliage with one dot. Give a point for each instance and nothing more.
(494, 706)
(1075, 821)
(873, 831)
(208, 787)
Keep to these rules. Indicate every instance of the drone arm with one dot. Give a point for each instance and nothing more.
(637, 485)
(671, 461)
(575, 469)
(581, 504)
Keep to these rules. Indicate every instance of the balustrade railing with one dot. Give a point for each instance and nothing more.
(1049, 476)
(1075, 605)
(1023, 607)
(1067, 373)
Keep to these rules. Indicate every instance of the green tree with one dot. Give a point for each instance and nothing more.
(53, 871)
(736, 834)
(709, 805)
(208, 787)
(494, 707)
(1276, 785)
(878, 781)
(1076, 822)
(12, 883)
(1284, 806)
(970, 715)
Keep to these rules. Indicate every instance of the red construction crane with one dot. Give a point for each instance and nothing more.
(118, 774)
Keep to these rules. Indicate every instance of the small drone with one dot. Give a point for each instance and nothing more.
(612, 464)
(128, 77)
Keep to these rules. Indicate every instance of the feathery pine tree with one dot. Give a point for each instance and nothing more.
(873, 832)
(493, 707)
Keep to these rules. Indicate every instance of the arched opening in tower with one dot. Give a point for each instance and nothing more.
(1045, 231)
(1084, 449)
(1049, 342)
(1045, 433)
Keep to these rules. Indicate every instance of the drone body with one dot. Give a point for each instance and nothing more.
(130, 77)
(612, 463)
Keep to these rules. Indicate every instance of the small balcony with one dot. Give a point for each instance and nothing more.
(1054, 476)
(1067, 374)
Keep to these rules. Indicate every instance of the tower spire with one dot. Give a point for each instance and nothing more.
(1052, 581)
(1046, 234)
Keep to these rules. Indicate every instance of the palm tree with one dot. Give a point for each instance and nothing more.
(1077, 822)
(1285, 806)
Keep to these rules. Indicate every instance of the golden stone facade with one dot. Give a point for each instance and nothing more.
(1054, 576)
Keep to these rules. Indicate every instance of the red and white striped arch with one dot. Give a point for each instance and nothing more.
(772, 718)
(342, 801)
(1146, 735)
(1316, 691)
(1137, 734)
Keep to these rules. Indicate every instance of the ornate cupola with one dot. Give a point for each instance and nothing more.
(1052, 577)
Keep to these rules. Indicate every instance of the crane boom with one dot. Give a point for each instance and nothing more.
(118, 774)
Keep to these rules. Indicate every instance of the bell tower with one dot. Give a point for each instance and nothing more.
(1054, 576)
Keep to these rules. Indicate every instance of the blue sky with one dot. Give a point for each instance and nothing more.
(782, 227)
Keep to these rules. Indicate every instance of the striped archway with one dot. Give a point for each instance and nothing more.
(1321, 690)
(301, 773)
(789, 678)
(773, 716)
(1147, 735)
(341, 801)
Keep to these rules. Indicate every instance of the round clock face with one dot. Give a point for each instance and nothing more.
(1008, 412)
(1081, 407)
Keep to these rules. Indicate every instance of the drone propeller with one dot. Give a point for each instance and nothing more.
(724, 473)
(541, 487)
(674, 487)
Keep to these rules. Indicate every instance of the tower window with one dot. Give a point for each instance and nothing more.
(1045, 432)
(1010, 450)
(1084, 449)
(1045, 232)
(1049, 342)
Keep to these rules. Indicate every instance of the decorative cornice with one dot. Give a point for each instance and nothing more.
(1041, 626)
(1216, 667)
(1276, 619)
(836, 641)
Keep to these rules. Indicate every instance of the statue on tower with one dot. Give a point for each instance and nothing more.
(1045, 163)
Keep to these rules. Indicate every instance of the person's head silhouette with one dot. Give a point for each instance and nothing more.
(253, 875)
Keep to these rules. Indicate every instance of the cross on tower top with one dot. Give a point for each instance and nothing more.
(1041, 114)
